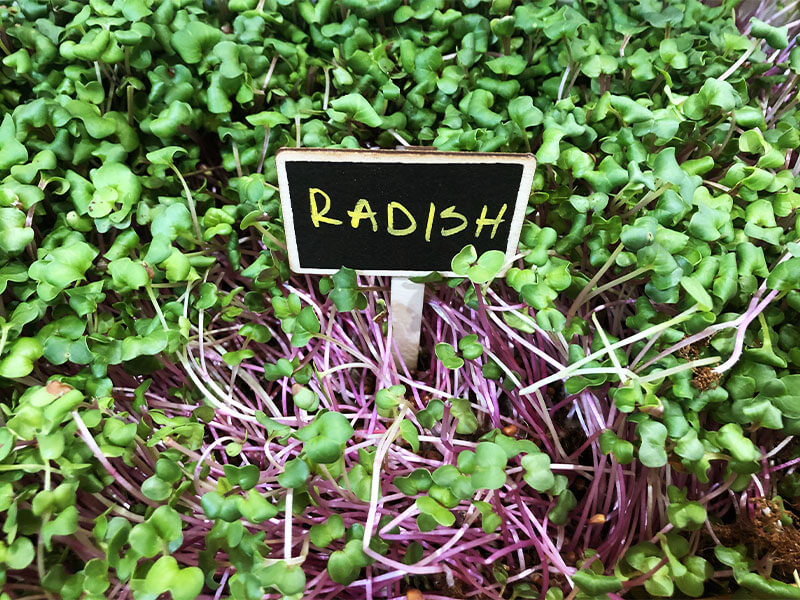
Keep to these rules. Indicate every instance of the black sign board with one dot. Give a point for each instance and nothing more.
(399, 212)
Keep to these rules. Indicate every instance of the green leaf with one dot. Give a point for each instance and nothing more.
(596, 584)
(742, 449)
(127, 275)
(447, 354)
(64, 523)
(777, 37)
(14, 235)
(429, 506)
(358, 109)
(267, 118)
(61, 267)
(651, 451)
(165, 156)
(20, 554)
(236, 357)
(306, 326)
(389, 398)
(255, 508)
(768, 588)
(19, 360)
(470, 347)
(698, 570)
(537, 471)
(165, 576)
(559, 514)
(156, 489)
(467, 422)
(687, 515)
(294, 475)
(511, 64)
(696, 290)
(245, 476)
(305, 399)
(419, 480)
(12, 152)
(490, 520)
(194, 40)
(143, 538)
(486, 465)
(322, 534)
(786, 276)
(325, 437)
(630, 110)
(345, 294)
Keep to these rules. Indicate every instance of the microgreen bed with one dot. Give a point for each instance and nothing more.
(611, 418)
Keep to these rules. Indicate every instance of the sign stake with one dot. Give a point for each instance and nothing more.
(406, 314)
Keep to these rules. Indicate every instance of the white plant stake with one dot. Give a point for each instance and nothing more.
(406, 315)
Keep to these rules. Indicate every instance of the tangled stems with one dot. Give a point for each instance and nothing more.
(353, 353)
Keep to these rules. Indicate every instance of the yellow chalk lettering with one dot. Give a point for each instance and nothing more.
(431, 214)
(450, 213)
(493, 222)
(390, 218)
(317, 215)
(362, 210)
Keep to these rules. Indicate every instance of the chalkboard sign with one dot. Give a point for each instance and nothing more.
(399, 212)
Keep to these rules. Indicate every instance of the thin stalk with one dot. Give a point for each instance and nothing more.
(571, 369)
(621, 373)
(98, 454)
(702, 362)
(649, 197)
(732, 69)
(627, 277)
(263, 156)
(235, 149)
(198, 234)
(287, 526)
(573, 309)
(377, 470)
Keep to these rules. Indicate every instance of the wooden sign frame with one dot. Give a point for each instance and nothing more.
(322, 155)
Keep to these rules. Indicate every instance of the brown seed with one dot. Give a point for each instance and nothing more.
(510, 430)
(677, 465)
(654, 411)
(414, 594)
(57, 388)
(597, 519)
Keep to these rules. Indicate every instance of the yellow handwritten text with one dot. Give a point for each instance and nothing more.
(400, 221)
(317, 216)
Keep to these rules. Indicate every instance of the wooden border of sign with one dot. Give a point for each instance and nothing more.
(409, 156)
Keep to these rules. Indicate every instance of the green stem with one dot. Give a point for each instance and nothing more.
(32, 466)
(587, 288)
(3, 338)
(235, 148)
(129, 95)
(190, 200)
(628, 276)
(160, 314)
(649, 197)
(678, 369)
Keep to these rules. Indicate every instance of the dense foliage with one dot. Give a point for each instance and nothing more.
(611, 418)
